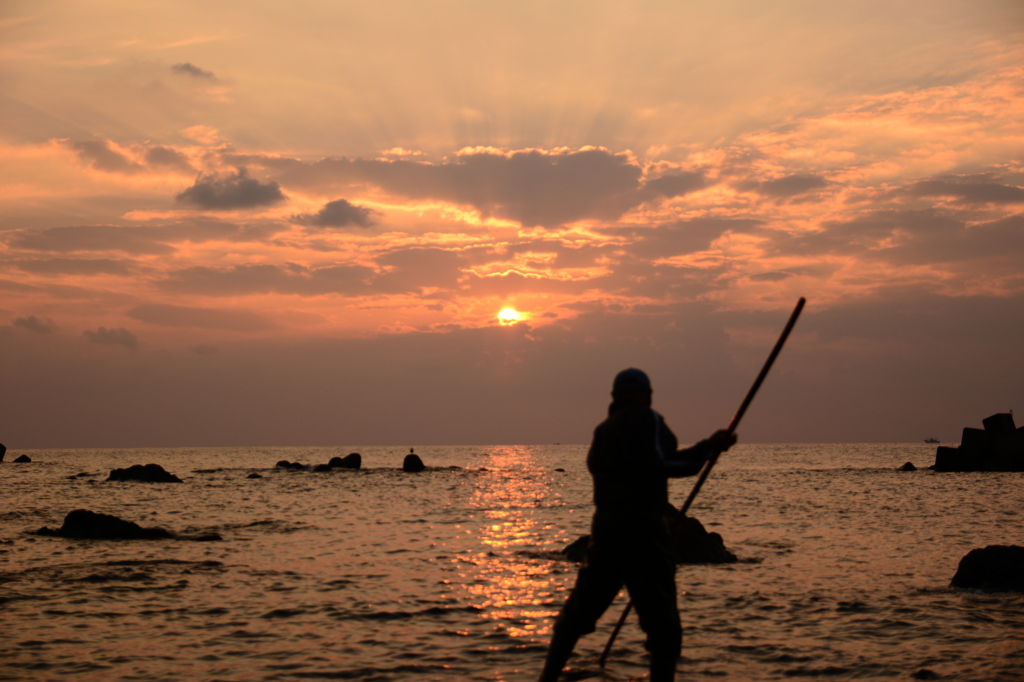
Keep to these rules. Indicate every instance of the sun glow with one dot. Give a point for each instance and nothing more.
(508, 316)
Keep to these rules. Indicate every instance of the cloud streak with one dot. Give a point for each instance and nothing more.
(532, 186)
(113, 337)
(167, 315)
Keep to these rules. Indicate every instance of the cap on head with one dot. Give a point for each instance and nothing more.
(631, 379)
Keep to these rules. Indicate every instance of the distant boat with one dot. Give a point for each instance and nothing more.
(932, 440)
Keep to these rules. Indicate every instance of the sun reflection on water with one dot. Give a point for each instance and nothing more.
(514, 582)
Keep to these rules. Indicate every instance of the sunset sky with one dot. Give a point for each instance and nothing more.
(270, 223)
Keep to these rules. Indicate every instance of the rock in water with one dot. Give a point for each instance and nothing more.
(412, 463)
(150, 473)
(254, 475)
(84, 524)
(694, 545)
(996, 567)
(909, 466)
(3, 451)
(284, 464)
(577, 550)
(22, 459)
(322, 467)
(353, 460)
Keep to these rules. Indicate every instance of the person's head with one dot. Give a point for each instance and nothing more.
(632, 385)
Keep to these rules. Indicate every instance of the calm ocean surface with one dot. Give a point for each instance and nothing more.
(381, 575)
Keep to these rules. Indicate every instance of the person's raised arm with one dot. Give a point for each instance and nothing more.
(688, 461)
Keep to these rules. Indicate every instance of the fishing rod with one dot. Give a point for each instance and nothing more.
(710, 462)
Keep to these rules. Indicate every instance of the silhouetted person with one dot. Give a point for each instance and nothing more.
(631, 458)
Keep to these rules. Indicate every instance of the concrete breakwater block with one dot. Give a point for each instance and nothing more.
(999, 424)
(997, 447)
(996, 567)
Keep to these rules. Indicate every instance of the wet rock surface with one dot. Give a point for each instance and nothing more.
(85, 524)
(295, 466)
(691, 545)
(82, 524)
(412, 462)
(995, 567)
(144, 473)
(577, 550)
(352, 460)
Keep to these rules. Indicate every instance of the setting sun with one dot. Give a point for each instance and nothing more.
(508, 316)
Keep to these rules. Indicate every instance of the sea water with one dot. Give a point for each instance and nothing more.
(451, 573)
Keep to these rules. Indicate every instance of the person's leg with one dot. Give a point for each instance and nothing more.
(596, 587)
(562, 643)
(652, 586)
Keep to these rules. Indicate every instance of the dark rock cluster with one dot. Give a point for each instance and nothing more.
(997, 447)
(996, 567)
(149, 473)
(353, 460)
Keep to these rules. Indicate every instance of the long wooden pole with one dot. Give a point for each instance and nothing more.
(710, 463)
